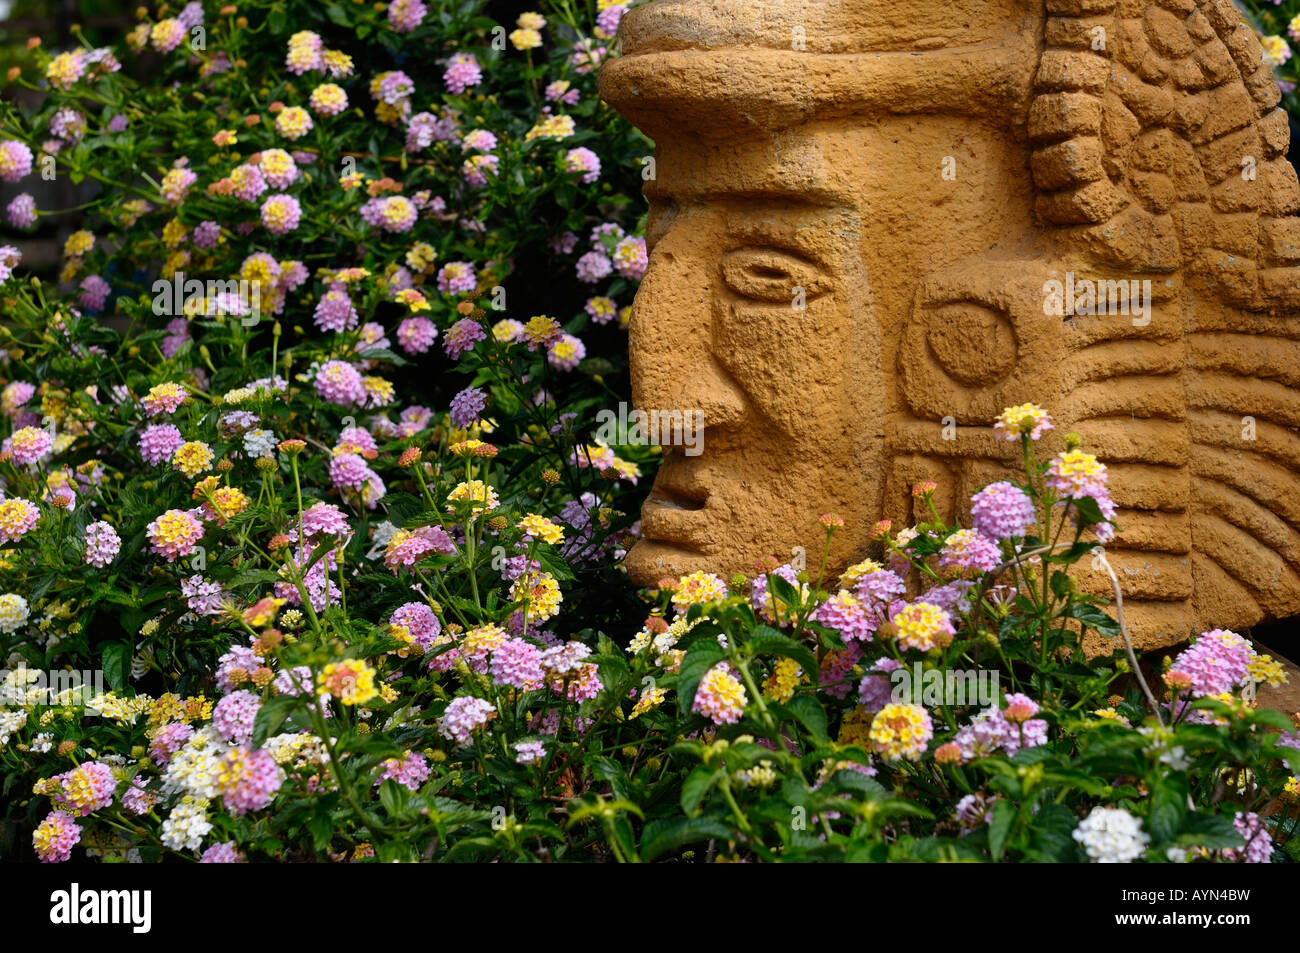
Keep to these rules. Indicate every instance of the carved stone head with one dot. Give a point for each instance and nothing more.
(876, 223)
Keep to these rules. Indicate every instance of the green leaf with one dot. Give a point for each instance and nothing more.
(943, 850)
(251, 576)
(846, 779)
(1089, 512)
(1213, 831)
(1273, 718)
(828, 637)
(553, 564)
(1052, 832)
(700, 657)
(337, 14)
(697, 785)
(1004, 814)
(782, 590)
(609, 771)
(394, 797)
(115, 660)
(768, 641)
(271, 716)
(662, 836)
(810, 714)
(1291, 756)
(1094, 618)
(321, 828)
(1168, 808)
(901, 807)
(1081, 780)
(613, 669)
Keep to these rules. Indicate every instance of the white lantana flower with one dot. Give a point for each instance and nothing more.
(1111, 835)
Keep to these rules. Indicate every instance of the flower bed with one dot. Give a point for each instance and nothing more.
(294, 464)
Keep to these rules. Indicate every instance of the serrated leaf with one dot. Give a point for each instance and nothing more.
(847, 779)
(251, 577)
(1094, 618)
(768, 641)
(1212, 831)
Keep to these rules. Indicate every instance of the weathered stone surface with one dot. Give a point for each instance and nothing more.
(857, 210)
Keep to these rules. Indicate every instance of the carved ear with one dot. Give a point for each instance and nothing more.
(980, 339)
(1161, 151)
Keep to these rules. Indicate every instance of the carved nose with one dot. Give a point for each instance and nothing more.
(672, 358)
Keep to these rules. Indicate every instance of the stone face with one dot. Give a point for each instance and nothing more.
(858, 209)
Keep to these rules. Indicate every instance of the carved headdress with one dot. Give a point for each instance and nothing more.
(1083, 204)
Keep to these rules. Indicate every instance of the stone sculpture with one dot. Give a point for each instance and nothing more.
(860, 216)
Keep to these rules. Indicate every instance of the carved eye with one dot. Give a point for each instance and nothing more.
(772, 275)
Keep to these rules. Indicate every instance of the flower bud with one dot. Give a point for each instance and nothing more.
(1019, 712)
(949, 753)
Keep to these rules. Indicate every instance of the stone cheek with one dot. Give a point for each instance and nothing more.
(853, 249)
